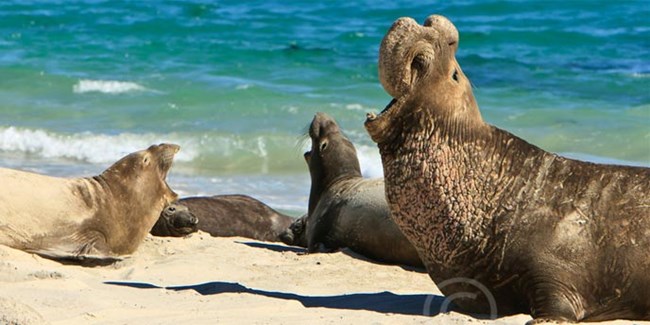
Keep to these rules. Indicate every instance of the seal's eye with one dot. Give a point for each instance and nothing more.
(418, 62)
(323, 145)
(455, 75)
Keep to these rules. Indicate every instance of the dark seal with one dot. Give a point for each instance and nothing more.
(295, 234)
(560, 239)
(346, 210)
(175, 220)
(222, 216)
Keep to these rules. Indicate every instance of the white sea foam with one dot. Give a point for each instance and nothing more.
(370, 162)
(355, 107)
(106, 86)
(640, 75)
(93, 148)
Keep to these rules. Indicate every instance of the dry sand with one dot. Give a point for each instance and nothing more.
(206, 280)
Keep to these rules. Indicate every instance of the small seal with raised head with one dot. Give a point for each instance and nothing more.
(346, 210)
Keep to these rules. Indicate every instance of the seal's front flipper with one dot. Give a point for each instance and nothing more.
(65, 257)
(76, 259)
(86, 248)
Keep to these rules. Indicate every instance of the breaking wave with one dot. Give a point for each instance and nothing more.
(106, 86)
(93, 148)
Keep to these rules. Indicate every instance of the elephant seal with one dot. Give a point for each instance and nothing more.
(175, 220)
(224, 216)
(560, 239)
(295, 234)
(346, 210)
(94, 218)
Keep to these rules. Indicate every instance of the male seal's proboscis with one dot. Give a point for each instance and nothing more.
(96, 218)
(560, 239)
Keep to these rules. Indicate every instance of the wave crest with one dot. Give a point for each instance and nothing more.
(201, 152)
(93, 148)
(106, 86)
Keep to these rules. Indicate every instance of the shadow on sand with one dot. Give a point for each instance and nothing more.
(273, 247)
(300, 251)
(381, 302)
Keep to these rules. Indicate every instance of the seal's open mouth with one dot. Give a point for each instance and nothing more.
(389, 106)
(396, 71)
(166, 156)
(372, 116)
(409, 53)
(379, 125)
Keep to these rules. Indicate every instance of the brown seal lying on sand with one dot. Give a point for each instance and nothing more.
(99, 218)
(222, 216)
(561, 239)
(346, 210)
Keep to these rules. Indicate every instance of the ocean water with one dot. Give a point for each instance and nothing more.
(235, 83)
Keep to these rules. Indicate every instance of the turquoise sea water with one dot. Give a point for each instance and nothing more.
(235, 83)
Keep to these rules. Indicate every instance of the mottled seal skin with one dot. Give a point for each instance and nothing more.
(95, 218)
(175, 220)
(346, 210)
(561, 239)
(295, 235)
(231, 215)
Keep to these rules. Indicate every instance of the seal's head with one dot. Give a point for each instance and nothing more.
(332, 156)
(418, 67)
(143, 174)
(175, 220)
(295, 234)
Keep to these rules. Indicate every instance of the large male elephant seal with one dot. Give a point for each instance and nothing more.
(346, 210)
(561, 239)
(222, 216)
(100, 217)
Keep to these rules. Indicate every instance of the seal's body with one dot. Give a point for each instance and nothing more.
(105, 216)
(346, 210)
(223, 216)
(560, 239)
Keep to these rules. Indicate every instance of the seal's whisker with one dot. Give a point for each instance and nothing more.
(301, 140)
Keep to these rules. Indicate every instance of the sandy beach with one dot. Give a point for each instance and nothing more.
(205, 280)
